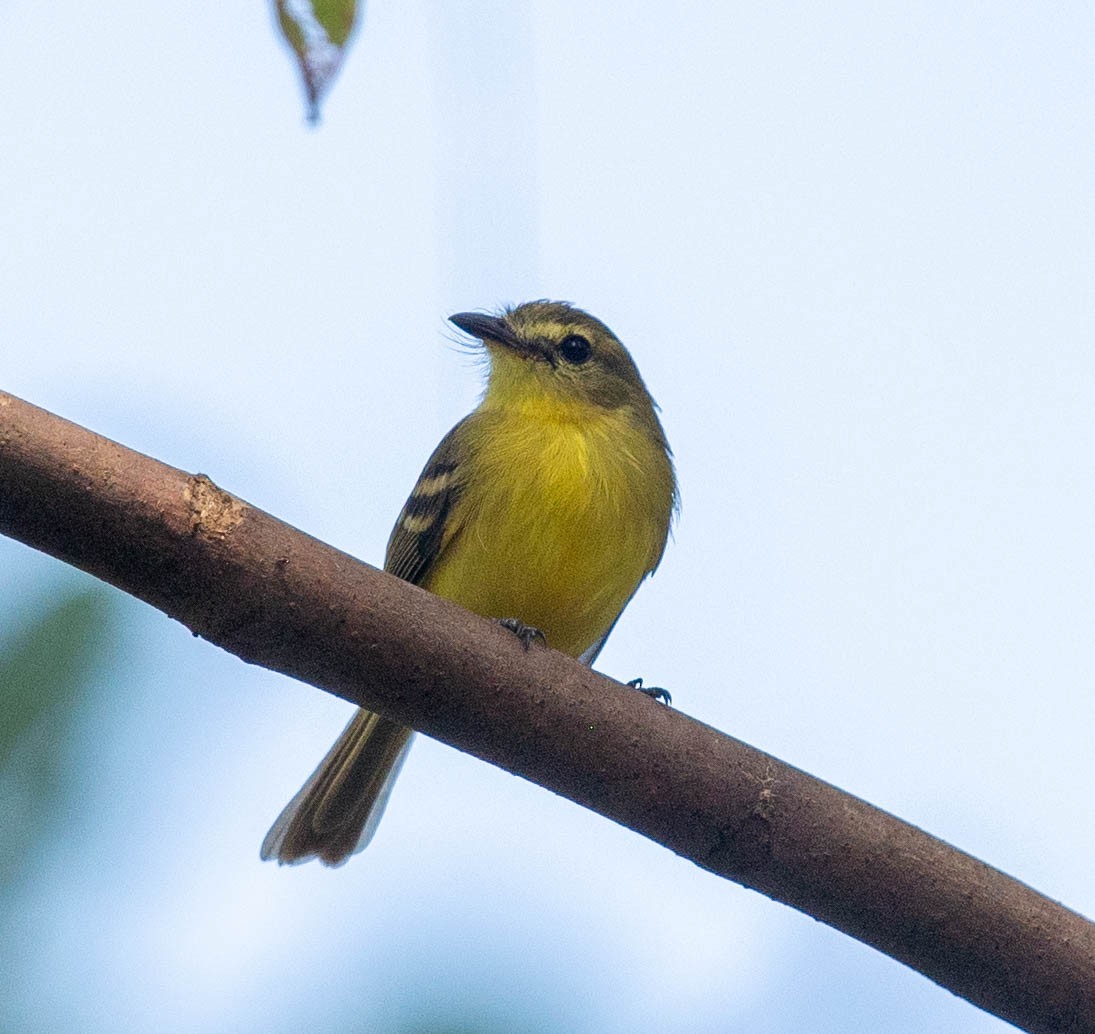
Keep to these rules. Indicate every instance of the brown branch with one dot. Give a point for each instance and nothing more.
(276, 597)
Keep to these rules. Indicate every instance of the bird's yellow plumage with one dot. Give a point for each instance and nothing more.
(548, 504)
(566, 531)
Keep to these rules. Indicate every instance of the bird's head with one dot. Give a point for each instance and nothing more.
(554, 352)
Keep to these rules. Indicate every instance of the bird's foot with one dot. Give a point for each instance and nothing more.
(526, 633)
(655, 692)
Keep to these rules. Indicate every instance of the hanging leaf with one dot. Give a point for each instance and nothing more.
(318, 31)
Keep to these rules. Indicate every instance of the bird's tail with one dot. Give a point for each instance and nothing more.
(335, 813)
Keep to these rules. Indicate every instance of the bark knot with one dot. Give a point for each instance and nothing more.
(213, 512)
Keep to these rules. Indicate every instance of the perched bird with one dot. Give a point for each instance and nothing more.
(545, 507)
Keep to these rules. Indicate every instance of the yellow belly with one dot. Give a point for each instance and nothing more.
(556, 526)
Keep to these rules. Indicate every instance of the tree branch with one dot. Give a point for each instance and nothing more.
(274, 596)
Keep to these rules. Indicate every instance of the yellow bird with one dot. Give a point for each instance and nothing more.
(545, 507)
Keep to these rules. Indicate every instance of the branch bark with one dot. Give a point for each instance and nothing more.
(274, 596)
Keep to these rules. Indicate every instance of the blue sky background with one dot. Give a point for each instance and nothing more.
(851, 250)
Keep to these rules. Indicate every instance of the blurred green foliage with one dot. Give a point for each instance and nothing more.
(56, 656)
(48, 668)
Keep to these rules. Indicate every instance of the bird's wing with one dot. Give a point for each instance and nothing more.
(425, 525)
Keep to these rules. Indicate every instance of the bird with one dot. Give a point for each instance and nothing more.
(544, 508)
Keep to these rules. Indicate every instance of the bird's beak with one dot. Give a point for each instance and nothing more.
(489, 328)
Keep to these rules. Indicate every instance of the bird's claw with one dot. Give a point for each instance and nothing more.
(654, 692)
(526, 633)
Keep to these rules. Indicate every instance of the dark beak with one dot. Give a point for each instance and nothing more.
(488, 328)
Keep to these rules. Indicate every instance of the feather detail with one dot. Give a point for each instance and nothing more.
(336, 812)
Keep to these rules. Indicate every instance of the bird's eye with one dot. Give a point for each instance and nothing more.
(575, 349)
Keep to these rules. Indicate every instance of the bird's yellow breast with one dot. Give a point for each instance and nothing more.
(559, 520)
